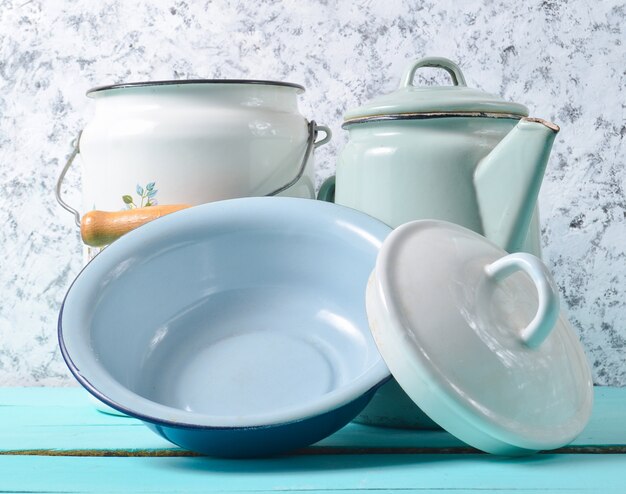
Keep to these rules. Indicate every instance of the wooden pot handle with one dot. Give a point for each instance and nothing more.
(100, 228)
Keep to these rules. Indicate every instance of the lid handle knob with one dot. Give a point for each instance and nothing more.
(438, 62)
(548, 311)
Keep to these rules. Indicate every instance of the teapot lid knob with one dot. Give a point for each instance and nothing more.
(438, 62)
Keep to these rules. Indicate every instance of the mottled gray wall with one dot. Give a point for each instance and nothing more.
(563, 59)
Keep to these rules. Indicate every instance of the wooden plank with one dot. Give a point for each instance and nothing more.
(39, 396)
(62, 420)
(328, 473)
(606, 427)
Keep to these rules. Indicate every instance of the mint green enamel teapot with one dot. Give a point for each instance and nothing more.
(445, 152)
(448, 153)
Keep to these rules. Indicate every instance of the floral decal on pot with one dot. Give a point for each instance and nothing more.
(147, 197)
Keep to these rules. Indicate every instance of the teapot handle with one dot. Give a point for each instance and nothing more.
(327, 190)
(438, 62)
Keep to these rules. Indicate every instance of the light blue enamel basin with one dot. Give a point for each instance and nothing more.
(236, 328)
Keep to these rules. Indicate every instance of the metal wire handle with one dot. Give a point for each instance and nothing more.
(311, 144)
(57, 190)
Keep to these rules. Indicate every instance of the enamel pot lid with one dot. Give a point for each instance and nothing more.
(476, 338)
(415, 102)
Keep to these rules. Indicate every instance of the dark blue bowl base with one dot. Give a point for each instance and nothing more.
(257, 442)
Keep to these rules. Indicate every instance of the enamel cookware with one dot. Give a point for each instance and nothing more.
(451, 153)
(475, 337)
(155, 147)
(257, 326)
(236, 328)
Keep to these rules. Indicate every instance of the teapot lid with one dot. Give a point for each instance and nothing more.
(411, 101)
(476, 339)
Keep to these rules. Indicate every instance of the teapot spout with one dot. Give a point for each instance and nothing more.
(508, 179)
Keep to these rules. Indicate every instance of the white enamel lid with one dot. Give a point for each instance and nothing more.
(477, 340)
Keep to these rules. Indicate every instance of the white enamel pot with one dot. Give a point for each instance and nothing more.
(184, 143)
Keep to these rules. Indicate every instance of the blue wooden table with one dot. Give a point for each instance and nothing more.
(53, 440)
